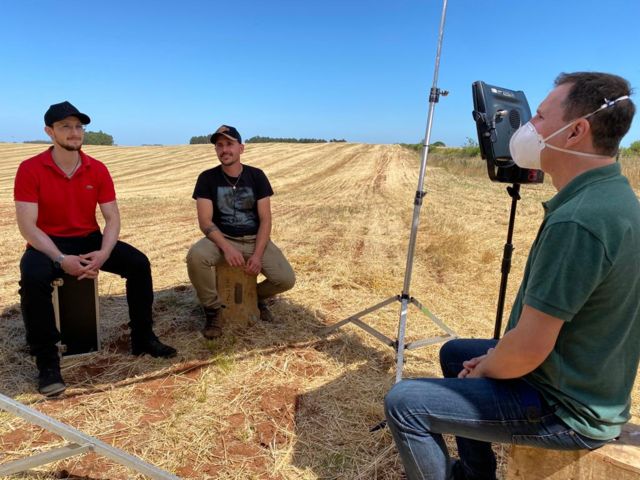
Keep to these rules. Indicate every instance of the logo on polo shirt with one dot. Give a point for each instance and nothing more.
(89, 187)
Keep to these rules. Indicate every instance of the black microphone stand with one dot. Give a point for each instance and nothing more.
(514, 193)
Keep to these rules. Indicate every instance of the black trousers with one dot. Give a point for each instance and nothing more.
(37, 272)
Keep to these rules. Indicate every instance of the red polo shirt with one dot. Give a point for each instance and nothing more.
(66, 206)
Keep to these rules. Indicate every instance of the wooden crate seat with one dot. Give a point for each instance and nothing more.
(237, 291)
(618, 460)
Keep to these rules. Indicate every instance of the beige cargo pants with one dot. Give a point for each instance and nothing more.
(204, 255)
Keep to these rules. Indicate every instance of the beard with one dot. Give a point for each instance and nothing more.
(70, 144)
(69, 147)
(226, 161)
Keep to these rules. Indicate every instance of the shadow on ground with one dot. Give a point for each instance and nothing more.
(321, 410)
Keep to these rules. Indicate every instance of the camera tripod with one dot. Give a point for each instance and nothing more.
(405, 298)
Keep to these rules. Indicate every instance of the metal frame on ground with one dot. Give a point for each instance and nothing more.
(79, 443)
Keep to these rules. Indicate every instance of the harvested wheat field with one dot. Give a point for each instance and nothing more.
(272, 401)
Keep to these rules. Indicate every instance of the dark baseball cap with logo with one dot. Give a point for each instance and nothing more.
(60, 111)
(227, 131)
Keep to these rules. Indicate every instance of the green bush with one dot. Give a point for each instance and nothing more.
(97, 138)
(200, 139)
(634, 147)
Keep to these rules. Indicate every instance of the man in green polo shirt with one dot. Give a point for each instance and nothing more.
(561, 376)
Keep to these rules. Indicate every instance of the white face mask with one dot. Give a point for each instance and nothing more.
(526, 143)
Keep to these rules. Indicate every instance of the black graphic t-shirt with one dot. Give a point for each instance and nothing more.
(235, 210)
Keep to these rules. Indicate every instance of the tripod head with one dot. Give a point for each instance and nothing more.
(498, 113)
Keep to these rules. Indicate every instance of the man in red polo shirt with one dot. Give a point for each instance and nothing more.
(56, 193)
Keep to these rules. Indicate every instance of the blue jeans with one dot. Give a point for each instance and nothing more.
(478, 411)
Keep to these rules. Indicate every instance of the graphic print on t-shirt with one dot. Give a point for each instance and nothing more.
(236, 208)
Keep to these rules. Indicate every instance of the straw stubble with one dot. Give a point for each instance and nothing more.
(273, 401)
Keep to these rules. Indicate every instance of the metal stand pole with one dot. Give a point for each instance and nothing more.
(405, 299)
(514, 193)
(79, 443)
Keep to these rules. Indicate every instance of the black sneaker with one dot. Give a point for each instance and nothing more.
(151, 345)
(458, 471)
(50, 381)
(265, 313)
(212, 328)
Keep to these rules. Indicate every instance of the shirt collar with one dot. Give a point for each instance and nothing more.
(85, 160)
(580, 182)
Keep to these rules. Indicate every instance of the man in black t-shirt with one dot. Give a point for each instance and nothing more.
(234, 213)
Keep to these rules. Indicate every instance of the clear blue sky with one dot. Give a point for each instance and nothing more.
(163, 71)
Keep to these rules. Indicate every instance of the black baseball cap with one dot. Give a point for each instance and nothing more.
(60, 111)
(227, 131)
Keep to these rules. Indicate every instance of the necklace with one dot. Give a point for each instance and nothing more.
(73, 170)
(233, 184)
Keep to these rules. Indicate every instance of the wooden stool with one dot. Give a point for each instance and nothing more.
(237, 292)
(75, 305)
(618, 460)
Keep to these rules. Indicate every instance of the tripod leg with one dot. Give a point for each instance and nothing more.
(433, 318)
(326, 331)
(402, 324)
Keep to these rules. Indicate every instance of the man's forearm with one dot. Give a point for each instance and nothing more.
(40, 241)
(508, 360)
(27, 220)
(522, 349)
(262, 238)
(213, 233)
(110, 236)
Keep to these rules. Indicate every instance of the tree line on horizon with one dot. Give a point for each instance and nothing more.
(200, 139)
(90, 138)
(470, 147)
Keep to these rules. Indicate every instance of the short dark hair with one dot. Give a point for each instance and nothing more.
(588, 92)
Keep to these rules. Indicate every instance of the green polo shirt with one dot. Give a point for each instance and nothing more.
(584, 268)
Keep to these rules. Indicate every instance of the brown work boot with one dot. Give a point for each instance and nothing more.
(212, 328)
(265, 313)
